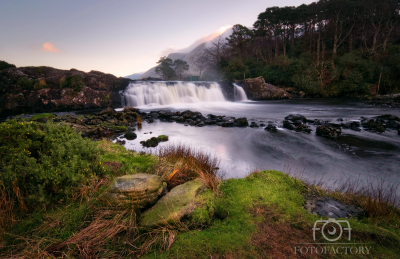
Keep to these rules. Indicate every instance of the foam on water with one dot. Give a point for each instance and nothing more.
(155, 94)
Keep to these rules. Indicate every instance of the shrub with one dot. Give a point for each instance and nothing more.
(44, 163)
(4, 65)
(75, 82)
(40, 84)
(26, 83)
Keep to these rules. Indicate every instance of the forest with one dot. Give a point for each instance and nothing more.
(326, 48)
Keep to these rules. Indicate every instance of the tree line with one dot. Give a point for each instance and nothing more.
(329, 47)
(169, 69)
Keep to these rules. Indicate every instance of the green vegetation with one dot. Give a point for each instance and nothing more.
(25, 83)
(163, 138)
(130, 162)
(232, 222)
(30, 84)
(40, 84)
(75, 82)
(4, 65)
(44, 163)
(51, 179)
(42, 115)
(170, 70)
(326, 48)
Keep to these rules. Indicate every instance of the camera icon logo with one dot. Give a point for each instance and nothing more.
(333, 228)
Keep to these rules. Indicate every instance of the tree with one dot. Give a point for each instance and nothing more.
(180, 67)
(164, 69)
(200, 62)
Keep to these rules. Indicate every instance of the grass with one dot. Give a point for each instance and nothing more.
(130, 161)
(179, 164)
(239, 235)
(258, 216)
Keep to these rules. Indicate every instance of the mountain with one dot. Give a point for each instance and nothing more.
(134, 76)
(185, 56)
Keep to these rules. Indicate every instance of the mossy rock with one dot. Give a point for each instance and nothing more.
(130, 135)
(179, 202)
(163, 138)
(43, 117)
(139, 190)
(152, 142)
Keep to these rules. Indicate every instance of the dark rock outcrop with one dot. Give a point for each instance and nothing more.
(271, 127)
(353, 125)
(257, 89)
(329, 131)
(297, 123)
(46, 89)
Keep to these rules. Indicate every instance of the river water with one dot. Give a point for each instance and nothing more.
(365, 156)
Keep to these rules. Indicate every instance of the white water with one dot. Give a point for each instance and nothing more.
(162, 93)
(239, 93)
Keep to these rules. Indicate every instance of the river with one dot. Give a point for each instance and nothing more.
(363, 156)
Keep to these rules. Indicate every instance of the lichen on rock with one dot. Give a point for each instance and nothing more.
(179, 202)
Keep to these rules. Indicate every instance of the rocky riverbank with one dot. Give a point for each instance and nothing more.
(111, 124)
(46, 89)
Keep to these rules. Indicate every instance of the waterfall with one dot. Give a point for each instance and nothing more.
(239, 93)
(165, 93)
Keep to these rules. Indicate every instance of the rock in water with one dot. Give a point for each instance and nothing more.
(257, 89)
(173, 206)
(142, 190)
(329, 131)
(130, 135)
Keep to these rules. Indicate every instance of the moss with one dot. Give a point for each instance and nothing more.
(42, 115)
(162, 138)
(131, 161)
(239, 196)
(130, 135)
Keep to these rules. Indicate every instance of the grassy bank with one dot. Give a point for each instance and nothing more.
(259, 216)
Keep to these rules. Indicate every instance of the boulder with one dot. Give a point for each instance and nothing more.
(179, 202)
(296, 122)
(328, 131)
(257, 89)
(353, 125)
(271, 127)
(254, 125)
(130, 135)
(140, 190)
(152, 142)
(374, 125)
(241, 122)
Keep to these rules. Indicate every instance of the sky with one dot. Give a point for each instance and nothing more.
(119, 37)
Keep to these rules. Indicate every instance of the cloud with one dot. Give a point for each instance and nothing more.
(47, 46)
(196, 43)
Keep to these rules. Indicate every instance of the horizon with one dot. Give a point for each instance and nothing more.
(102, 35)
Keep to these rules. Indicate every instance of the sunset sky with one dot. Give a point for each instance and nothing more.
(118, 37)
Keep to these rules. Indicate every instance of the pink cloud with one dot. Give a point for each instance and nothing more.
(47, 46)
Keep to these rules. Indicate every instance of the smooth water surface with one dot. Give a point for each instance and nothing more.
(355, 155)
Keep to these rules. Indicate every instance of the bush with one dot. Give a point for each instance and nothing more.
(40, 84)
(75, 82)
(44, 163)
(26, 83)
(4, 65)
